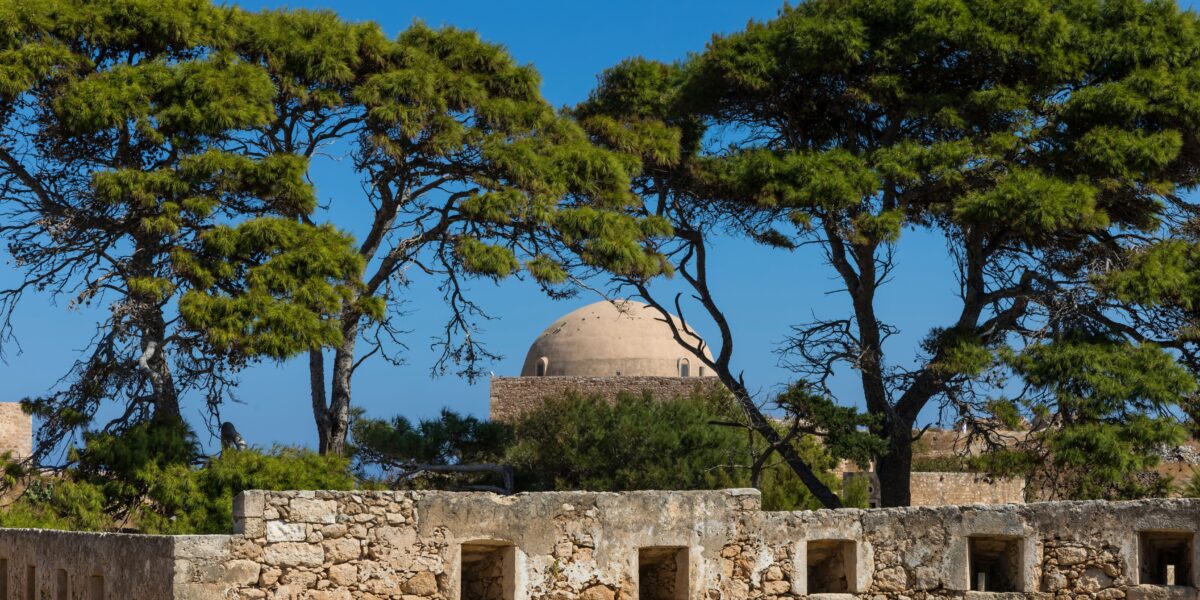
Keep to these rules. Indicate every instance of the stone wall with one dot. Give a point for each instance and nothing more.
(511, 396)
(636, 545)
(951, 489)
(718, 545)
(940, 489)
(16, 430)
(59, 565)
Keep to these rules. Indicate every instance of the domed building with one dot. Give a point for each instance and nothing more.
(612, 339)
(604, 348)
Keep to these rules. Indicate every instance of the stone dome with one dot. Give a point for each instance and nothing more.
(608, 339)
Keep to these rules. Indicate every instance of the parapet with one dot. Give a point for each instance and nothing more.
(649, 545)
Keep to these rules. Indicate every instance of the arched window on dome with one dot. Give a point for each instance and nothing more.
(543, 364)
(685, 368)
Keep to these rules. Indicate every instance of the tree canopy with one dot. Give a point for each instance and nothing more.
(123, 186)
(466, 171)
(155, 161)
(1048, 143)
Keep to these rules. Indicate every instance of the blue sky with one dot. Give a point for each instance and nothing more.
(570, 43)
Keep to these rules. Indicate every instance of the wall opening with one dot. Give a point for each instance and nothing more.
(831, 567)
(994, 563)
(96, 583)
(488, 571)
(663, 573)
(685, 368)
(543, 364)
(1165, 557)
(63, 590)
(31, 583)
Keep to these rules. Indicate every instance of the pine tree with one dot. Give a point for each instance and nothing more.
(124, 187)
(1045, 141)
(466, 172)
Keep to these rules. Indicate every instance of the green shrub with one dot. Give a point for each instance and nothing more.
(151, 478)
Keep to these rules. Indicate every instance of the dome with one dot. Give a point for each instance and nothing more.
(607, 339)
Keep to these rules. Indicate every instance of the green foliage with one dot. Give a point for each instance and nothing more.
(150, 478)
(1167, 273)
(856, 492)
(1110, 403)
(449, 439)
(280, 305)
(130, 131)
(573, 442)
(844, 430)
(1046, 141)
(50, 503)
(1192, 488)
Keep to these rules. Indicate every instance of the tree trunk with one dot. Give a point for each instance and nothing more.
(153, 363)
(765, 428)
(894, 469)
(316, 380)
(334, 425)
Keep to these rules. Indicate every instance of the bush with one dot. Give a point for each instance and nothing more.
(151, 478)
(640, 443)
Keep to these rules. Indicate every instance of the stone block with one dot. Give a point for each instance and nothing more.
(311, 510)
(279, 531)
(294, 554)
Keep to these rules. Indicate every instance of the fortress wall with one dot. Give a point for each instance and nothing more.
(718, 545)
(512, 396)
(645, 545)
(951, 488)
(16, 430)
(84, 566)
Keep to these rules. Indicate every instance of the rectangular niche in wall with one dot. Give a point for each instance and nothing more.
(994, 563)
(96, 583)
(1165, 557)
(831, 567)
(488, 571)
(663, 573)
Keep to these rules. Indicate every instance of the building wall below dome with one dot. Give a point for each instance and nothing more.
(513, 396)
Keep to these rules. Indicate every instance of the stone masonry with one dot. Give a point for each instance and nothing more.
(16, 431)
(948, 488)
(636, 545)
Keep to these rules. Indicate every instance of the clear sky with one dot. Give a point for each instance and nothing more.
(569, 42)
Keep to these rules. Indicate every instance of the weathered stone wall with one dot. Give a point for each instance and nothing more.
(588, 545)
(512, 396)
(16, 430)
(951, 489)
(605, 546)
(55, 565)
